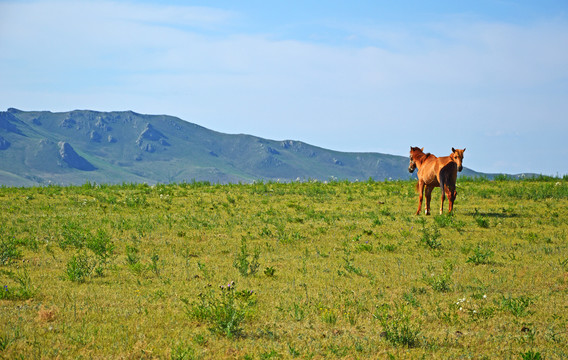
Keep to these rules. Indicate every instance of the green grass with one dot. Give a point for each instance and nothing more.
(272, 271)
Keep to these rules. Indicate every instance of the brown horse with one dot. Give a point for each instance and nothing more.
(456, 155)
(433, 172)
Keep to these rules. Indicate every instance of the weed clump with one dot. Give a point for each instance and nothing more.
(24, 291)
(517, 306)
(397, 324)
(9, 251)
(226, 312)
(431, 237)
(480, 256)
(79, 267)
(531, 355)
(242, 263)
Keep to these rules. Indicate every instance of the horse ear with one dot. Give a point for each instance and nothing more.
(463, 149)
(422, 149)
(453, 150)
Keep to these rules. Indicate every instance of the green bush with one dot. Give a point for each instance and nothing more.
(531, 355)
(79, 267)
(397, 324)
(242, 263)
(9, 251)
(518, 306)
(23, 291)
(430, 237)
(480, 256)
(225, 313)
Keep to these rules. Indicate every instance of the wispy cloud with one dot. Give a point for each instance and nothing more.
(382, 86)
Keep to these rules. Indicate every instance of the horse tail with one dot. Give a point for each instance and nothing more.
(443, 179)
(448, 176)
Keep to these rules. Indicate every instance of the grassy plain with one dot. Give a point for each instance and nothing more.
(269, 271)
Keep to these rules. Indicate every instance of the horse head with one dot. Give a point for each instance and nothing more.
(413, 152)
(457, 156)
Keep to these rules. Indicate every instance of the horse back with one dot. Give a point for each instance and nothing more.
(443, 161)
(428, 170)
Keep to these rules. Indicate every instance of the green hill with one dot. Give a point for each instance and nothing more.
(41, 147)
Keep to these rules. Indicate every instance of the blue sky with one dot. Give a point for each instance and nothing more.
(372, 76)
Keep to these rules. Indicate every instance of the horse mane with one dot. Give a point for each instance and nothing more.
(423, 156)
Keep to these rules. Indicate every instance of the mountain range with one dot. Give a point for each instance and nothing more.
(42, 147)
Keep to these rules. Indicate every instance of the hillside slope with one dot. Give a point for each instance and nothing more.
(115, 147)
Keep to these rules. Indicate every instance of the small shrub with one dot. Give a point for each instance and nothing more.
(79, 268)
(298, 313)
(480, 256)
(349, 263)
(292, 351)
(411, 299)
(366, 246)
(9, 252)
(481, 313)
(481, 220)
(477, 310)
(182, 353)
(328, 316)
(24, 291)
(73, 235)
(242, 263)
(398, 328)
(388, 247)
(377, 222)
(5, 341)
(430, 237)
(102, 246)
(200, 340)
(518, 306)
(443, 220)
(564, 264)
(531, 355)
(132, 257)
(272, 354)
(439, 283)
(136, 201)
(269, 271)
(204, 270)
(154, 265)
(226, 312)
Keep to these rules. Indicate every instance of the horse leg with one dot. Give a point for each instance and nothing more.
(450, 195)
(443, 198)
(428, 198)
(420, 188)
(454, 194)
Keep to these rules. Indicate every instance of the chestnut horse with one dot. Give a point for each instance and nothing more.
(433, 172)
